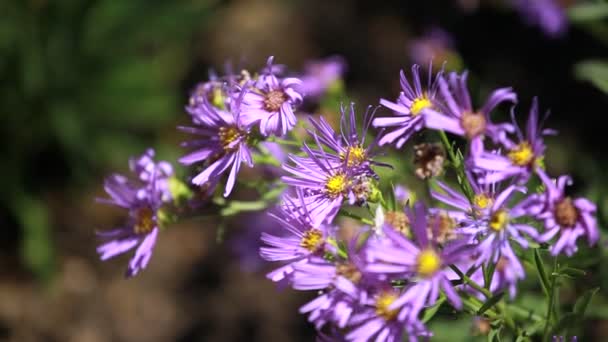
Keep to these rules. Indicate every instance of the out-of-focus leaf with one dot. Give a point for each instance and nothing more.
(594, 71)
(36, 247)
(588, 12)
(581, 304)
(542, 274)
(490, 303)
(431, 311)
(235, 207)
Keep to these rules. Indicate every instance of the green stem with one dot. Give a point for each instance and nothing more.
(465, 279)
(551, 302)
(456, 163)
(284, 142)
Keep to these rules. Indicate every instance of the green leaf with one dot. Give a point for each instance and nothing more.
(431, 311)
(542, 274)
(490, 303)
(594, 71)
(566, 321)
(581, 304)
(588, 12)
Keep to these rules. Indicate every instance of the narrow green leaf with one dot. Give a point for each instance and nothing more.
(566, 321)
(347, 213)
(235, 207)
(542, 274)
(581, 304)
(431, 311)
(490, 303)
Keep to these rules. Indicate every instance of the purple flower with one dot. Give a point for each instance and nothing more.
(549, 15)
(320, 75)
(408, 108)
(564, 217)
(223, 143)
(143, 199)
(459, 116)
(271, 102)
(419, 260)
(378, 319)
(146, 169)
(303, 238)
(523, 156)
(324, 184)
(497, 228)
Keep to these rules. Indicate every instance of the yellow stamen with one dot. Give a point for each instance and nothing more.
(227, 136)
(499, 220)
(356, 156)
(482, 201)
(336, 184)
(522, 154)
(144, 221)
(312, 240)
(383, 302)
(419, 104)
(428, 262)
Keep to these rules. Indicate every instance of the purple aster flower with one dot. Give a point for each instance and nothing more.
(320, 75)
(495, 230)
(347, 145)
(271, 102)
(564, 217)
(342, 280)
(378, 320)
(223, 143)
(549, 15)
(143, 199)
(324, 184)
(523, 156)
(459, 116)
(419, 260)
(409, 107)
(146, 169)
(303, 239)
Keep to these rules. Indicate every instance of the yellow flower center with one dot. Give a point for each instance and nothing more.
(312, 240)
(482, 201)
(227, 136)
(499, 220)
(336, 185)
(384, 300)
(419, 104)
(522, 154)
(356, 156)
(144, 221)
(428, 262)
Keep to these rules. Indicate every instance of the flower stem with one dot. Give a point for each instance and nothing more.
(551, 293)
(284, 142)
(456, 162)
(465, 279)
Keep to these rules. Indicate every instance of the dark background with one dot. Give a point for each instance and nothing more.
(86, 84)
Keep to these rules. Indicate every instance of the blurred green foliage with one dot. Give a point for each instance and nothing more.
(83, 85)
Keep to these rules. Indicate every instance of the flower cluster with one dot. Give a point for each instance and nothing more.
(377, 282)
(383, 278)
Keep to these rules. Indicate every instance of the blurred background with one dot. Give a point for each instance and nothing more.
(84, 84)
